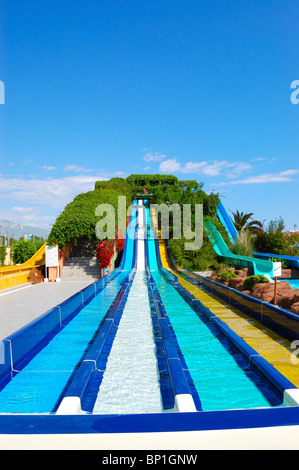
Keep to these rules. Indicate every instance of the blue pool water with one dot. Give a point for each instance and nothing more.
(294, 283)
(221, 375)
(39, 385)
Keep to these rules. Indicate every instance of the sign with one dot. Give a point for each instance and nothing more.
(51, 256)
(277, 269)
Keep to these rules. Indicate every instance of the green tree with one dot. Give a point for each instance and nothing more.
(24, 249)
(245, 221)
(272, 240)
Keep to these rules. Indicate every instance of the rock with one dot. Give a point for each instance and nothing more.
(285, 301)
(242, 272)
(265, 292)
(286, 273)
(295, 308)
(236, 283)
(213, 278)
(286, 296)
(247, 292)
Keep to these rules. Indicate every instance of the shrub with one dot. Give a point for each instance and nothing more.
(227, 275)
(243, 245)
(24, 249)
(78, 219)
(252, 280)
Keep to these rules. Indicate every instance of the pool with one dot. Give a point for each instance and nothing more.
(294, 283)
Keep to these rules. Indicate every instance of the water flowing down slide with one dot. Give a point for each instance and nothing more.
(212, 366)
(139, 345)
(266, 343)
(37, 386)
(130, 382)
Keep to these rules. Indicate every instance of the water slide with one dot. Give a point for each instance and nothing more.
(210, 367)
(127, 259)
(36, 386)
(262, 331)
(291, 261)
(227, 222)
(138, 345)
(259, 266)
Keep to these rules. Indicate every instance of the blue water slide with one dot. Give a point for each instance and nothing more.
(227, 222)
(36, 364)
(151, 243)
(128, 256)
(291, 261)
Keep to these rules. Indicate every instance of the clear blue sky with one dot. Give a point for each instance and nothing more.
(198, 89)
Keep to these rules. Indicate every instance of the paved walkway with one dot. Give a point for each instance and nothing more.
(22, 305)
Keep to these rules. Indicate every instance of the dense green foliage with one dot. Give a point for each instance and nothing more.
(273, 240)
(24, 249)
(161, 188)
(252, 280)
(78, 218)
(227, 275)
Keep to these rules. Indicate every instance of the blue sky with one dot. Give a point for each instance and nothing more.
(198, 89)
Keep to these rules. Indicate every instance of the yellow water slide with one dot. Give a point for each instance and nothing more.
(275, 349)
(12, 276)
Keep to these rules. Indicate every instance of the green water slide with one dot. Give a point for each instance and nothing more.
(259, 266)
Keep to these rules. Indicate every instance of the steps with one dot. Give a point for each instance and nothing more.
(81, 268)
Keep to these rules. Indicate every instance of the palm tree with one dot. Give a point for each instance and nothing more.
(242, 221)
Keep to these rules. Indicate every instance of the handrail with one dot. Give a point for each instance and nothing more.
(11, 276)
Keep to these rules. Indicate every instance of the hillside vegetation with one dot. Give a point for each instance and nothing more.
(78, 219)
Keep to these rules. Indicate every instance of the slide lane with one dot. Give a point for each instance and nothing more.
(227, 222)
(37, 386)
(130, 381)
(128, 261)
(212, 364)
(120, 373)
(272, 347)
(291, 261)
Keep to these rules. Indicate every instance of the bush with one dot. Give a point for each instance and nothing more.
(252, 280)
(24, 249)
(78, 219)
(243, 245)
(227, 275)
